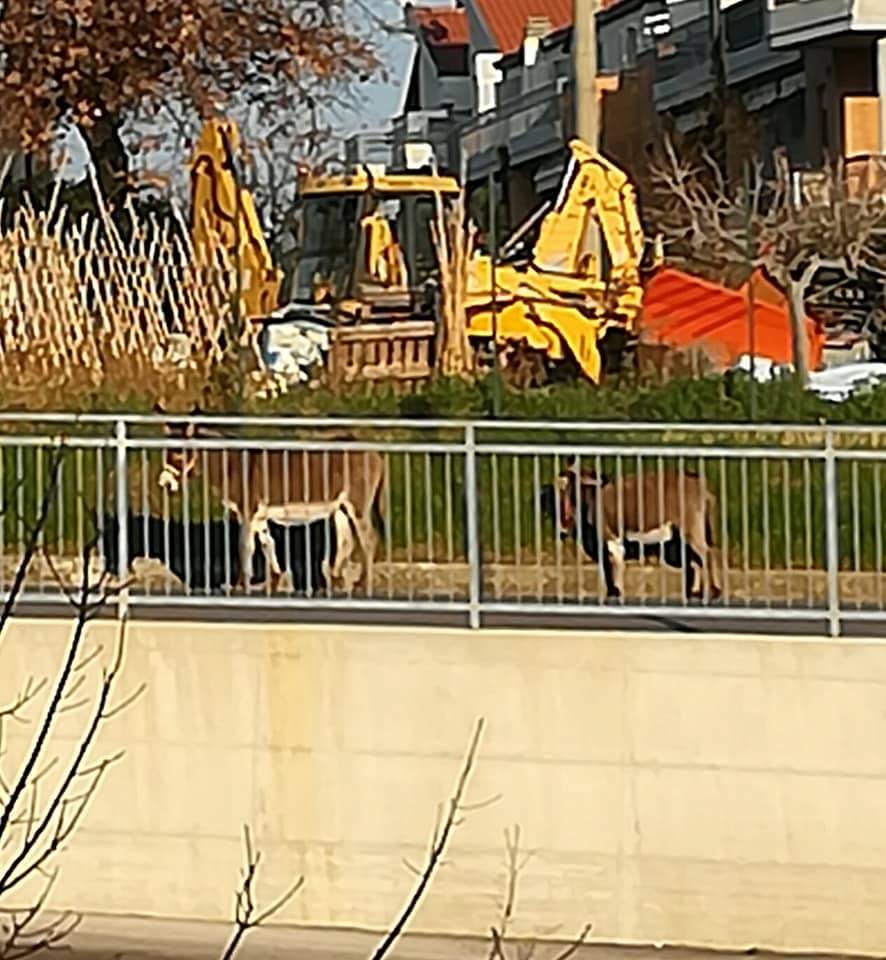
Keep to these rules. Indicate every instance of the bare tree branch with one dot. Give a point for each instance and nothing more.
(45, 800)
(246, 915)
(439, 840)
(708, 221)
(34, 535)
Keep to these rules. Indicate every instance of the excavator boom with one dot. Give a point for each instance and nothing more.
(560, 303)
(222, 214)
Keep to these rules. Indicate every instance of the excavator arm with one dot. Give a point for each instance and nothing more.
(560, 303)
(215, 207)
(593, 188)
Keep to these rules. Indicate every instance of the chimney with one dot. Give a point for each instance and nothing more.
(535, 30)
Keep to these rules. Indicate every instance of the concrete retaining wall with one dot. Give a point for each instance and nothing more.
(715, 791)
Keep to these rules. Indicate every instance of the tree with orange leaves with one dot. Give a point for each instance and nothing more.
(94, 63)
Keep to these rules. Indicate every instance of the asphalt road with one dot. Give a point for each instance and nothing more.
(135, 938)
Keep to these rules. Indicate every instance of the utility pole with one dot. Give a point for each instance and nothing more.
(586, 103)
(750, 252)
(493, 256)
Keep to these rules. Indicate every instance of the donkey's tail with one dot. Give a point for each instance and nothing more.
(710, 503)
(375, 511)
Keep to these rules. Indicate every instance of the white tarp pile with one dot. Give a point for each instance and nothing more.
(293, 349)
(835, 384)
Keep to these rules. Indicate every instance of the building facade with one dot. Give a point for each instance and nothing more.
(490, 82)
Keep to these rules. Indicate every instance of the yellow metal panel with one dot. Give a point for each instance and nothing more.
(214, 208)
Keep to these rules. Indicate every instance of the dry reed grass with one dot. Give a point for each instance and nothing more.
(454, 240)
(86, 310)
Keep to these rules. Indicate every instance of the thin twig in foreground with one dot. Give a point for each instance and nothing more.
(439, 840)
(245, 916)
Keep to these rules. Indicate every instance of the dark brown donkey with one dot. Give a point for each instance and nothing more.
(667, 511)
(287, 487)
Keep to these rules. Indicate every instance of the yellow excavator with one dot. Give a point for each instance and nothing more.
(560, 301)
(216, 201)
(366, 253)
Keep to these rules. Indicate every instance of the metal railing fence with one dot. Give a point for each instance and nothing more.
(479, 519)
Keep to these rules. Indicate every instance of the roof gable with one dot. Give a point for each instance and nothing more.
(506, 19)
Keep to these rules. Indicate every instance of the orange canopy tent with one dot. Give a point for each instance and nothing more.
(683, 311)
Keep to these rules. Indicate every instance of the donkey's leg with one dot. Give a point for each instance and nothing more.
(366, 535)
(614, 567)
(711, 557)
(697, 553)
(344, 567)
(261, 530)
(246, 547)
(692, 561)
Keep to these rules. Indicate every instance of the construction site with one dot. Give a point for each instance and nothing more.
(424, 426)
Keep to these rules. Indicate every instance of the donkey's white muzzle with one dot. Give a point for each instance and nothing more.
(168, 479)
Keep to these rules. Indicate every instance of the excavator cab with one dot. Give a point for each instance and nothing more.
(366, 242)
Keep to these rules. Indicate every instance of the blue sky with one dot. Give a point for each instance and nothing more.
(382, 98)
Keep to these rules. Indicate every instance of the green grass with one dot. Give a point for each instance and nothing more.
(425, 493)
(426, 518)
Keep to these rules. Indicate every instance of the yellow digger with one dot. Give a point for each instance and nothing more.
(367, 268)
(557, 300)
(216, 201)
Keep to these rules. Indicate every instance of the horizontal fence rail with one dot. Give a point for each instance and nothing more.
(704, 522)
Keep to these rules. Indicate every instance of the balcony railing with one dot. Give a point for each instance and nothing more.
(802, 21)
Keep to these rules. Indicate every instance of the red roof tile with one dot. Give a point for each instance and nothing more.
(443, 26)
(506, 19)
(685, 311)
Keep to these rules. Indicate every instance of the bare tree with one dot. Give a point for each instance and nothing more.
(524, 949)
(45, 794)
(247, 916)
(454, 810)
(775, 222)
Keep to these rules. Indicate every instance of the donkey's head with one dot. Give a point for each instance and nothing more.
(179, 463)
(572, 492)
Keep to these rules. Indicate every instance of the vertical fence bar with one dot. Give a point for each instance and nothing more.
(4, 511)
(536, 505)
(208, 559)
(832, 534)
(788, 538)
(41, 532)
(122, 508)
(62, 513)
(473, 530)
(496, 525)
(517, 531)
(450, 536)
(145, 508)
(20, 502)
(745, 532)
(807, 525)
(878, 534)
(81, 493)
(767, 556)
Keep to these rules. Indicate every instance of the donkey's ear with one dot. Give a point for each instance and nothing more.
(159, 409)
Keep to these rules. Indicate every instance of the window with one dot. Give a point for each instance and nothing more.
(327, 242)
(629, 48)
(745, 24)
